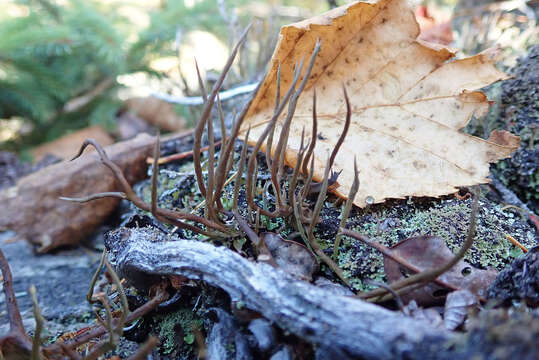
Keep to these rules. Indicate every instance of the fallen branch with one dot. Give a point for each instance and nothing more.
(199, 100)
(34, 211)
(352, 326)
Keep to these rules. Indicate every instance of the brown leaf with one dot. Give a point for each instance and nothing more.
(408, 103)
(69, 144)
(427, 252)
(290, 256)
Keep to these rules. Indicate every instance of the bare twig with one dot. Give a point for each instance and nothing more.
(56, 348)
(40, 321)
(115, 194)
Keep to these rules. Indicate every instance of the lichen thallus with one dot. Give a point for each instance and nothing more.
(290, 202)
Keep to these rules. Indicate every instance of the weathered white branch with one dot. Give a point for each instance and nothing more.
(346, 324)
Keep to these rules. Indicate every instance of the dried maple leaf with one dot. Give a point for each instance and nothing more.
(408, 103)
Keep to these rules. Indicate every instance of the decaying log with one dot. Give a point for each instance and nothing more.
(345, 324)
(32, 207)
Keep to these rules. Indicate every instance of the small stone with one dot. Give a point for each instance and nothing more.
(264, 334)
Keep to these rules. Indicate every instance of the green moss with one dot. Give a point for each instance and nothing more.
(169, 327)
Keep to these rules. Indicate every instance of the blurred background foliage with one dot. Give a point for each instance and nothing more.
(68, 64)
(61, 62)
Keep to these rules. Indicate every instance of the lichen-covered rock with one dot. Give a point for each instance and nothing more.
(520, 115)
(520, 281)
(498, 334)
(516, 109)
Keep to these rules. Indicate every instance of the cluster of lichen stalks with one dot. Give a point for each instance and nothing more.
(290, 201)
(290, 204)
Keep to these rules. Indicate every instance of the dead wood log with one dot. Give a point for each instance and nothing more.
(32, 207)
(346, 324)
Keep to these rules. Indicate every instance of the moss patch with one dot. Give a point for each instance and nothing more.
(448, 219)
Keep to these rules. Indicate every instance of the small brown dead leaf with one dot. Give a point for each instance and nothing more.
(290, 256)
(427, 252)
(69, 144)
(408, 102)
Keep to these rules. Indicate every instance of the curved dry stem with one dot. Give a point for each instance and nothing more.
(310, 234)
(252, 159)
(295, 174)
(390, 254)
(314, 135)
(40, 321)
(169, 216)
(90, 293)
(207, 110)
(269, 142)
(345, 130)
(123, 299)
(346, 210)
(226, 150)
(239, 173)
